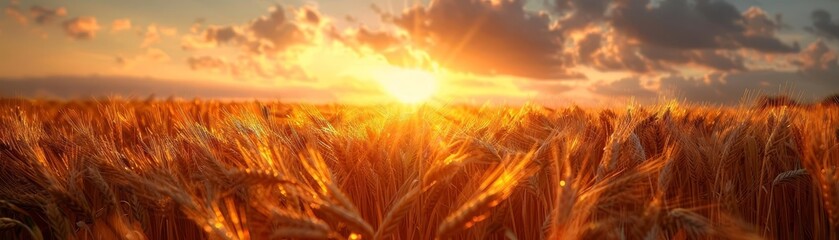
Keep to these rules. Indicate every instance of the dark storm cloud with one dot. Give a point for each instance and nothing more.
(588, 46)
(700, 24)
(651, 38)
(824, 25)
(488, 37)
(66, 87)
(578, 14)
(641, 36)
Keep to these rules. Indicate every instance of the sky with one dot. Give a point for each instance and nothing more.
(553, 52)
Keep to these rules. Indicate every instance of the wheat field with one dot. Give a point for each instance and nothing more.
(123, 169)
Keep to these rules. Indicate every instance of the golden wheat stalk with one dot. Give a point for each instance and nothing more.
(9, 223)
(791, 176)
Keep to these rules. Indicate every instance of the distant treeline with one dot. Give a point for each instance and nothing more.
(782, 100)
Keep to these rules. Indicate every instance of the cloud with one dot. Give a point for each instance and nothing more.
(816, 77)
(207, 63)
(275, 32)
(649, 38)
(81, 28)
(387, 44)
(610, 51)
(248, 67)
(267, 46)
(502, 37)
(120, 24)
(379, 41)
(616, 53)
(155, 54)
(14, 12)
(758, 23)
(487, 37)
(700, 24)
(715, 59)
(580, 14)
(720, 87)
(311, 15)
(269, 34)
(150, 55)
(75, 86)
(730, 87)
(221, 34)
(42, 15)
(212, 37)
(824, 25)
(819, 62)
(817, 56)
(153, 33)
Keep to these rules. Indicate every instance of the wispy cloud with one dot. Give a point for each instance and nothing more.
(14, 12)
(121, 24)
(42, 15)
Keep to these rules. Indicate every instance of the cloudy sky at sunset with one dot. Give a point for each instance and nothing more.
(504, 51)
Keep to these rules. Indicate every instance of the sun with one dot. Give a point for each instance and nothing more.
(409, 86)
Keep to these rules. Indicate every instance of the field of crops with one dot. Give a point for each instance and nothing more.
(122, 169)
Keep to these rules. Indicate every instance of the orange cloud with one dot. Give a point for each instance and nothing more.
(207, 63)
(211, 37)
(43, 15)
(247, 67)
(267, 45)
(81, 28)
(120, 25)
(15, 14)
(819, 62)
(273, 33)
(488, 37)
(817, 56)
(150, 55)
(154, 32)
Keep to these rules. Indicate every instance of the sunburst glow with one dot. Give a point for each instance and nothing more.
(409, 86)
